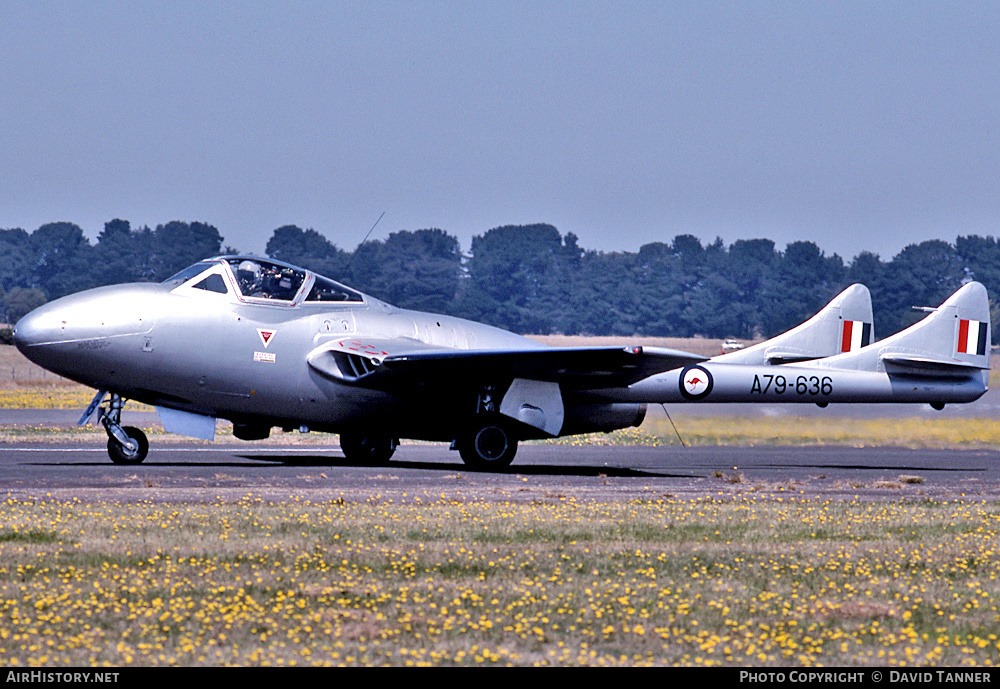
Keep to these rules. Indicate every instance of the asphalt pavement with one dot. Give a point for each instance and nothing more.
(204, 471)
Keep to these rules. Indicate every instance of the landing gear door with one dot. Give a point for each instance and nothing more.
(537, 403)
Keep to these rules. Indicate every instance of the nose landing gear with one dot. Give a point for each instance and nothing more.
(132, 451)
(126, 444)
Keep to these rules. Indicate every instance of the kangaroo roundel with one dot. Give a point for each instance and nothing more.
(696, 382)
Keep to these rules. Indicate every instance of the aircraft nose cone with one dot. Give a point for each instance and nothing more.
(52, 325)
(36, 328)
(103, 312)
(68, 332)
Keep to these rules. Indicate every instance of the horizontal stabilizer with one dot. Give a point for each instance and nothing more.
(776, 358)
(927, 363)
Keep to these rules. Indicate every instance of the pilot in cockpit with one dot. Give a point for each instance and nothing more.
(248, 275)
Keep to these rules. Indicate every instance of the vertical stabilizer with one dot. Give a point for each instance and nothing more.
(954, 338)
(843, 325)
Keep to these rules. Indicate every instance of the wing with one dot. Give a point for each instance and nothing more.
(383, 363)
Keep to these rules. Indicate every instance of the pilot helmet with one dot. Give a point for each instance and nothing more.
(248, 273)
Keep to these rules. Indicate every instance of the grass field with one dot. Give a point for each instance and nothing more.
(728, 581)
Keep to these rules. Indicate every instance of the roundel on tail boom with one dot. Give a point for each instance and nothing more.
(695, 382)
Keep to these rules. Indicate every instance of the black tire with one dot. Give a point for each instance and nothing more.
(490, 447)
(369, 450)
(119, 455)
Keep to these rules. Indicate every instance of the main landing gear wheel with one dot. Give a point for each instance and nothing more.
(490, 447)
(121, 454)
(370, 450)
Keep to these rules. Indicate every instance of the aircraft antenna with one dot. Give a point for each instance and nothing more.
(662, 404)
(362, 242)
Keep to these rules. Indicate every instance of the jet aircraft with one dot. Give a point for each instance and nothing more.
(266, 344)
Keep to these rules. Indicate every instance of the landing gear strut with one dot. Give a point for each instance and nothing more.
(126, 444)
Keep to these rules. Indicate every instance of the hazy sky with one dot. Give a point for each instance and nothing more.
(859, 126)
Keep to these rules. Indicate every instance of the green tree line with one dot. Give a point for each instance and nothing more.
(529, 278)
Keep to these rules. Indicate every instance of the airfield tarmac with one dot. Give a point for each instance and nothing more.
(211, 472)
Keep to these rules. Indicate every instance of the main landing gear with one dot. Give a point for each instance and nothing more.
(126, 444)
(367, 449)
(488, 446)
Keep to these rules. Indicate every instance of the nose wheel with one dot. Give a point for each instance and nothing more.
(133, 451)
(126, 444)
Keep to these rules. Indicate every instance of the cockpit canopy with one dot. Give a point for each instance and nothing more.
(264, 280)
